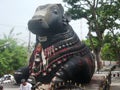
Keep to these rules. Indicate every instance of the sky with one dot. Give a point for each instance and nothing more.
(16, 14)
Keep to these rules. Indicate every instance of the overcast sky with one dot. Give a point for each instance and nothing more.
(16, 13)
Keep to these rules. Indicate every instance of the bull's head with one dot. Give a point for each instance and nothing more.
(48, 19)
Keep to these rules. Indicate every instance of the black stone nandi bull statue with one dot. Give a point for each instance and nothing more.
(62, 56)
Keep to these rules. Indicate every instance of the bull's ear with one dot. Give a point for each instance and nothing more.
(67, 16)
(61, 8)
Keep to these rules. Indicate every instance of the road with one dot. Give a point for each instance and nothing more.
(11, 86)
(115, 85)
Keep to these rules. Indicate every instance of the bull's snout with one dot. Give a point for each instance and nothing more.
(37, 26)
(33, 24)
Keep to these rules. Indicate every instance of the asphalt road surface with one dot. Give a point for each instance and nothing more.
(11, 89)
(10, 86)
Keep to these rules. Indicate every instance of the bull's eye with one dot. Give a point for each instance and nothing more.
(55, 11)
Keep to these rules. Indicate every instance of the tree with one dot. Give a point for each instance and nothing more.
(100, 14)
(111, 48)
(13, 55)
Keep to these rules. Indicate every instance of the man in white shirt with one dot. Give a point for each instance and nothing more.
(25, 85)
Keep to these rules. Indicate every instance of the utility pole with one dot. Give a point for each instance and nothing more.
(29, 41)
(29, 45)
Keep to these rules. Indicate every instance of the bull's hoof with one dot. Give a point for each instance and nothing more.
(59, 84)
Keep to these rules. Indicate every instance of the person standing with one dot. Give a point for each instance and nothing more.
(25, 85)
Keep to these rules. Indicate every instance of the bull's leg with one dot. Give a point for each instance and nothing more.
(76, 69)
(22, 73)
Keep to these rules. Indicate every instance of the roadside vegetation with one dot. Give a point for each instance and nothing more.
(13, 54)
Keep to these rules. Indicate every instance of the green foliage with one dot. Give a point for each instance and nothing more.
(12, 54)
(100, 14)
(111, 48)
(107, 53)
(94, 41)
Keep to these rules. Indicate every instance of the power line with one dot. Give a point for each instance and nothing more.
(9, 25)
